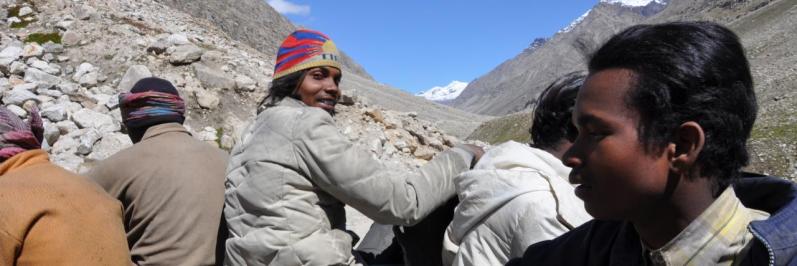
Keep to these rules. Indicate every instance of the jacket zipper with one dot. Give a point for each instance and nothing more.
(766, 244)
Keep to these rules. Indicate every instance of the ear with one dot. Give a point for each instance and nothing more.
(688, 140)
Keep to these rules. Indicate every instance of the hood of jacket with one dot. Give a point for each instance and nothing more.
(504, 172)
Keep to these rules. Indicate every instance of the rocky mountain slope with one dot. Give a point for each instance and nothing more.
(72, 58)
(514, 84)
(244, 21)
(768, 30)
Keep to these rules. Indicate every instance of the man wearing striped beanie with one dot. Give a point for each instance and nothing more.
(171, 185)
(48, 215)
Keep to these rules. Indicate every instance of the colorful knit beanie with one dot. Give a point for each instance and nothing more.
(17, 136)
(151, 101)
(305, 49)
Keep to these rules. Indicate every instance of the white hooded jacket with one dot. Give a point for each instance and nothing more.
(515, 196)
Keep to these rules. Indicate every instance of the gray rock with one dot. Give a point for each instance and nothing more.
(68, 161)
(64, 145)
(89, 79)
(12, 52)
(32, 50)
(68, 87)
(133, 75)
(424, 153)
(51, 133)
(207, 99)
(36, 75)
(52, 69)
(13, 20)
(83, 69)
(66, 126)
(17, 68)
(112, 102)
(17, 110)
(109, 145)
(177, 39)
(53, 48)
(159, 46)
(87, 140)
(185, 54)
(71, 38)
(55, 112)
(86, 118)
(64, 24)
(17, 96)
(213, 78)
(24, 11)
(245, 82)
(83, 12)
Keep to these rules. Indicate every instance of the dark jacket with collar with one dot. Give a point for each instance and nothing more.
(616, 243)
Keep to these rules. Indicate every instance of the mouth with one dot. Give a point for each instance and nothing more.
(327, 104)
(582, 188)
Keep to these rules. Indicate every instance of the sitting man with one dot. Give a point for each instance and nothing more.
(49, 216)
(663, 120)
(517, 194)
(171, 185)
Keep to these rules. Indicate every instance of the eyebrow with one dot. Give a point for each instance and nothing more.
(587, 119)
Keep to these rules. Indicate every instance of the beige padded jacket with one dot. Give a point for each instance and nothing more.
(290, 176)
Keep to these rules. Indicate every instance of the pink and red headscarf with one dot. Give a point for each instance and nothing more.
(17, 136)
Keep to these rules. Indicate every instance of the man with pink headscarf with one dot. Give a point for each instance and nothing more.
(49, 216)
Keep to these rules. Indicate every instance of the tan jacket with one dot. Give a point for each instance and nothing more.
(172, 189)
(49, 216)
(289, 178)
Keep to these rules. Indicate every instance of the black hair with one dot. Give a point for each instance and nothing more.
(688, 71)
(282, 87)
(551, 123)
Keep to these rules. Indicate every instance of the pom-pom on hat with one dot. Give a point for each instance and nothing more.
(305, 49)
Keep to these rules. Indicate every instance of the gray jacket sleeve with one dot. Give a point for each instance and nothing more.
(354, 177)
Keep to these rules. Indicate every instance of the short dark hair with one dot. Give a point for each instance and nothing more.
(551, 123)
(688, 71)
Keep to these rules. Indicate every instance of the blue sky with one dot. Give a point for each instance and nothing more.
(415, 45)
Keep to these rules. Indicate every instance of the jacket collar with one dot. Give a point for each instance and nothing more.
(162, 129)
(778, 197)
(23, 159)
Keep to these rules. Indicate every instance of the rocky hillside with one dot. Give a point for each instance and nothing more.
(72, 58)
(244, 21)
(768, 32)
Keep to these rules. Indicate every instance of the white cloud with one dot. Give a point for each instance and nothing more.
(285, 7)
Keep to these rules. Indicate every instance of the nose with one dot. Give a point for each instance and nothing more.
(570, 159)
(331, 88)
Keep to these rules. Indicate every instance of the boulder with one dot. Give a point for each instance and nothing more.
(56, 112)
(32, 50)
(245, 82)
(11, 52)
(17, 110)
(83, 12)
(24, 11)
(17, 96)
(86, 141)
(86, 118)
(17, 68)
(207, 99)
(68, 161)
(185, 54)
(133, 74)
(109, 145)
(211, 78)
(51, 133)
(64, 145)
(71, 38)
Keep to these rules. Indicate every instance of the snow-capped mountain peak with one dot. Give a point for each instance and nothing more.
(632, 2)
(448, 92)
